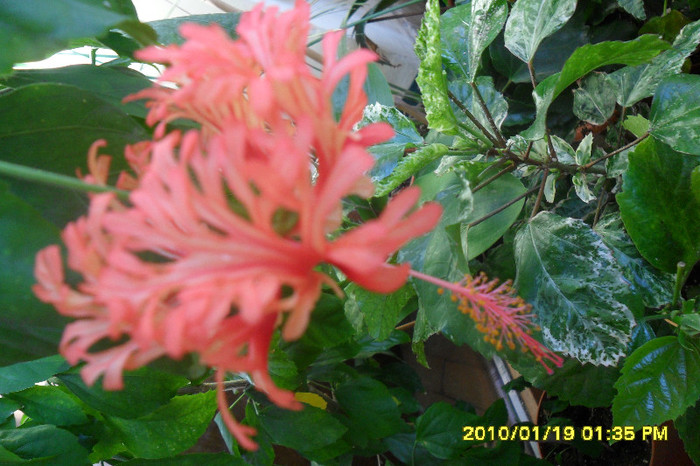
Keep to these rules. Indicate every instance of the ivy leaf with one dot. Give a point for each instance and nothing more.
(654, 286)
(584, 60)
(658, 383)
(487, 19)
(531, 21)
(675, 113)
(658, 207)
(431, 77)
(594, 100)
(634, 83)
(31, 30)
(168, 430)
(582, 304)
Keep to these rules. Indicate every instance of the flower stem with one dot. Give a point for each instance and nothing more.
(54, 179)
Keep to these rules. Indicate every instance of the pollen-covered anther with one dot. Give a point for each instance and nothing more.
(499, 313)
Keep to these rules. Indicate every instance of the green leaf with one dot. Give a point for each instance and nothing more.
(658, 207)
(370, 407)
(71, 120)
(455, 29)
(168, 29)
(29, 329)
(196, 459)
(634, 83)
(487, 19)
(675, 113)
(111, 84)
(144, 391)
(633, 7)
(654, 286)
(409, 166)
(463, 91)
(440, 430)
(594, 100)
(7, 407)
(431, 77)
(25, 374)
(168, 430)
(45, 444)
(637, 125)
(584, 60)
(695, 183)
(489, 198)
(50, 405)
(579, 384)
(582, 304)
(388, 154)
(34, 29)
(380, 312)
(531, 21)
(305, 430)
(667, 26)
(328, 326)
(687, 426)
(658, 383)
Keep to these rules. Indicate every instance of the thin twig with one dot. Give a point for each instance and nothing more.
(406, 326)
(552, 152)
(531, 70)
(471, 117)
(489, 117)
(538, 201)
(502, 208)
(615, 152)
(493, 178)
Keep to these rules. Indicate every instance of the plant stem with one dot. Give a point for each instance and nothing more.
(615, 152)
(531, 70)
(681, 276)
(370, 17)
(493, 178)
(489, 117)
(503, 207)
(472, 118)
(538, 201)
(54, 179)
